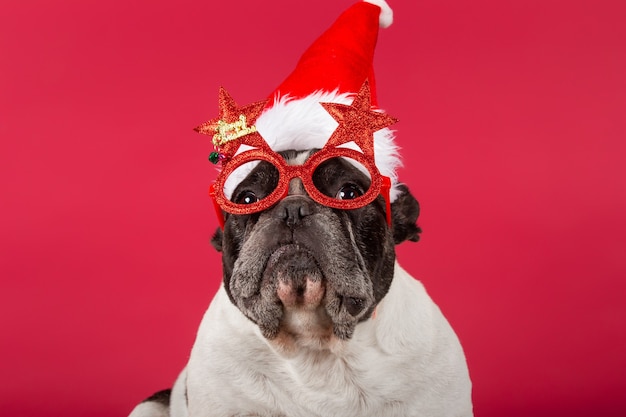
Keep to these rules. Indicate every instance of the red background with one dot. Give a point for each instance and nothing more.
(513, 136)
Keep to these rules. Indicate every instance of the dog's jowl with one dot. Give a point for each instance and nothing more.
(315, 317)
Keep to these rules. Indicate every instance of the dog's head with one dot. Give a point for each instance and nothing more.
(299, 261)
(302, 269)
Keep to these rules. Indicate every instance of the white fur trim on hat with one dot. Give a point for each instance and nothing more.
(303, 124)
(386, 13)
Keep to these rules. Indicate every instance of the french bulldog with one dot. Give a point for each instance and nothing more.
(315, 317)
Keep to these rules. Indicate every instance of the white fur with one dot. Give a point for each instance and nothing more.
(407, 361)
(303, 124)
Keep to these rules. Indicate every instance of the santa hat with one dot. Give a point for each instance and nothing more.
(341, 58)
(332, 70)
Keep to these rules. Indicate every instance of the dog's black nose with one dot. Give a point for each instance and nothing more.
(293, 208)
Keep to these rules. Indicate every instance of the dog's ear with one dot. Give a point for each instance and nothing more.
(404, 212)
(216, 240)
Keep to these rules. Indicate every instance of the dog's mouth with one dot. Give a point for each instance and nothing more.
(307, 290)
(300, 287)
(292, 253)
(297, 277)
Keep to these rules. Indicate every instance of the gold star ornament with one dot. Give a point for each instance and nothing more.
(234, 126)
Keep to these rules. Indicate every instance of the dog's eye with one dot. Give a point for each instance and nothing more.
(246, 197)
(349, 192)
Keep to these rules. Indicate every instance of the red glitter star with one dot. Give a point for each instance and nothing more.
(230, 112)
(357, 122)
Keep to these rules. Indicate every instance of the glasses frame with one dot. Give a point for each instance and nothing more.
(380, 185)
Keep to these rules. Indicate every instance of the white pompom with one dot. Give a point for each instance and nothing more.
(386, 14)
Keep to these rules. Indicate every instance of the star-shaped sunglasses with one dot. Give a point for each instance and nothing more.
(235, 127)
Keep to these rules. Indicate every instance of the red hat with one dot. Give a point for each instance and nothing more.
(341, 58)
(332, 70)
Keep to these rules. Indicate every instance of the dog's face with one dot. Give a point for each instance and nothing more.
(305, 272)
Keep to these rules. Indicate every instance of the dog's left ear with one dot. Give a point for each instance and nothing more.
(216, 240)
(404, 212)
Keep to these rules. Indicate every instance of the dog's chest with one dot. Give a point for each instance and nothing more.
(359, 379)
(360, 382)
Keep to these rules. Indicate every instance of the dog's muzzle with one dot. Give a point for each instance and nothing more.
(300, 283)
(299, 265)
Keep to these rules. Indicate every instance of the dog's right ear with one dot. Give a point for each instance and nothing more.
(216, 240)
(404, 212)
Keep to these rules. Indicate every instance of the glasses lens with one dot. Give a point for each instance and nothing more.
(251, 182)
(343, 179)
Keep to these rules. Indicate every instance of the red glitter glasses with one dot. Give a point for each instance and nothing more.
(234, 127)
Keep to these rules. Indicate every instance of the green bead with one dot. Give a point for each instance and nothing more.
(214, 157)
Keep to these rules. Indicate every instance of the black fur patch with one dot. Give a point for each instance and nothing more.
(404, 213)
(161, 397)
